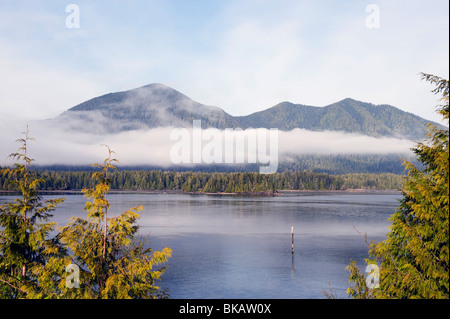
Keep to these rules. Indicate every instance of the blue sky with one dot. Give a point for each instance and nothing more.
(243, 56)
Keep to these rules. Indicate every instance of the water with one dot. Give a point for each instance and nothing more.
(240, 247)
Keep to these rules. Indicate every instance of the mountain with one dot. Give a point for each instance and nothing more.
(157, 105)
(347, 115)
(150, 106)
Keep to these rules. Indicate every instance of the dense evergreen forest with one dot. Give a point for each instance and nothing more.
(237, 182)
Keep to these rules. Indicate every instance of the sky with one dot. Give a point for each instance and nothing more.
(242, 56)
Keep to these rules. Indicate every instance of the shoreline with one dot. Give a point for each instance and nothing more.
(172, 191)
(353, 190)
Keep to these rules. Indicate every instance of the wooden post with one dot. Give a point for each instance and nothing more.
(292, 232)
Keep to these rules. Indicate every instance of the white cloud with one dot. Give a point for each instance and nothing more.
(54, 145)
(301, 141)
(248, 56)
(320, 53)
(30, 90)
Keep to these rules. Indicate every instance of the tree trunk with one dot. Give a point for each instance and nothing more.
(104, 233)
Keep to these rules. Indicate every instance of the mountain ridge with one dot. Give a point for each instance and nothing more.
(157, 105)
(347, 115)
(149, 106)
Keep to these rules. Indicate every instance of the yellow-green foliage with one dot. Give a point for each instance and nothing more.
(24, 228)
(414, 259)
(112, 261)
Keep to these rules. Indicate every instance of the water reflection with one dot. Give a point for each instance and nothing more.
(292, 267)
(240, 247)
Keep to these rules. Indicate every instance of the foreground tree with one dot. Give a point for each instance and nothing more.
(25, 247)
(414, 259)
(97, 257)
(111, 260)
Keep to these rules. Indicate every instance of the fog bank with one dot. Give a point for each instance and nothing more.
(53, 145)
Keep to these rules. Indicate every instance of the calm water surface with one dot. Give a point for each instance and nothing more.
(240, 247)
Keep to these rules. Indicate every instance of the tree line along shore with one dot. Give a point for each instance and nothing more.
(207, 182)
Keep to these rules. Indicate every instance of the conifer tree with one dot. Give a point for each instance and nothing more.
(24, 229)
(414, 259)
(112, 261)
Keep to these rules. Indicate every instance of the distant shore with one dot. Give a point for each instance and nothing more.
(173, 191)
(354, 190)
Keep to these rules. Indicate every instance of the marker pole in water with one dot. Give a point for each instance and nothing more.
(292, 232)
